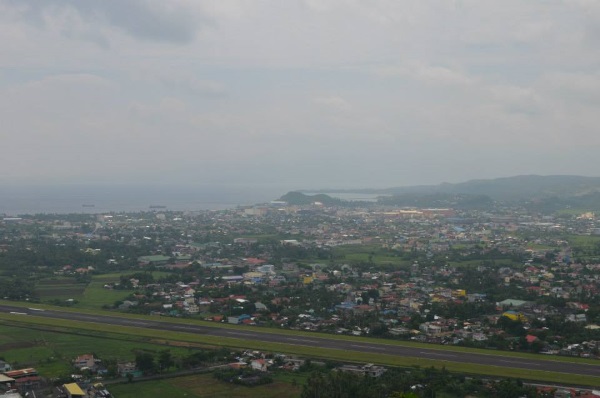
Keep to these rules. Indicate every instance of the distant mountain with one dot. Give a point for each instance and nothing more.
(438, 200)
(526, 187)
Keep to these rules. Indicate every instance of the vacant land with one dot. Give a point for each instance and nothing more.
(204, 385)
(92, 295)
(97, 296)
(61, 288)
(476, 263)
(51, 349)
(368, 254)
(585, 247)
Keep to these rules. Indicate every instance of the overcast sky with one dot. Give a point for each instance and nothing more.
(313, 93)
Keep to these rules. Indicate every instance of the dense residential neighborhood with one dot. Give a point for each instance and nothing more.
(508, 278)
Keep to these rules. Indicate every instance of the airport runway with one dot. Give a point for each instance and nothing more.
(246, 332)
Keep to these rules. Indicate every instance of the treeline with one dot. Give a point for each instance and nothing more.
(439, 200)
(398, 383)
(151, 362)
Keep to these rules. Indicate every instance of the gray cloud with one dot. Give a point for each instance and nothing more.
(169, 21)
(314, 92)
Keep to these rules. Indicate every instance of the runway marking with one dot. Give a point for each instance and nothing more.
(184, 327)
(369, 347)
(137, 323)
(239, 334)
(438, 354)
(519, 363)
(303, 340)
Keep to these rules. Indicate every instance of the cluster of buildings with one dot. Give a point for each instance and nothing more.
(435, 275)
(26, 382)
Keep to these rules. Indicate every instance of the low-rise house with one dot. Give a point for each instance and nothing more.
(236, 320)
(260, 306)
(72, 390)
(576, 318)
(125, 368)
(237, 365)
(192, 309)
(25, 379)
(127, 304)
(259, 364)
(5, 366)
(6, 382)
(365, 370)
(84, 361)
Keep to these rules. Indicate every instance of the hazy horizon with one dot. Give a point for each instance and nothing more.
(303, 94)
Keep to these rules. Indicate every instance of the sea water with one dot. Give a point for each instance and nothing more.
(19, 199)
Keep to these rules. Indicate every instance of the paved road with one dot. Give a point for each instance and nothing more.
(312, 341)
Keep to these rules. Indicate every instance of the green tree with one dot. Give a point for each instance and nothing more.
(145, 362)
(165, 360)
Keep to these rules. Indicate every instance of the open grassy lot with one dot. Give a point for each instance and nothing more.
(204, 385)
(356, 254)
(475, 263)
(96, 295)
(583, 241)
(310, 352)
(586, 247)
(262, 238)
(61, 288)
(116, 276)
(51, 349)
(90, 296)
(572, 212)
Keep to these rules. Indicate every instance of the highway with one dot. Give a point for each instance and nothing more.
(308, 340)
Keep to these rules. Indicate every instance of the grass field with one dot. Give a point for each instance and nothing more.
(356, 254)
(262, 238)
(475, 263)
(583, 241)
(116, 276)
(51, 349)
(90, 296)
(572, 212)
(204, 385)
(96, 295)
(61, 288)
(585, 246)
(533, 246)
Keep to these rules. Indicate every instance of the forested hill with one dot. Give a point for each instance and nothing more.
(524, 187)
(298, 198)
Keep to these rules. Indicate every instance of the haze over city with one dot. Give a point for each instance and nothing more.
(306, 94)
(299, 198)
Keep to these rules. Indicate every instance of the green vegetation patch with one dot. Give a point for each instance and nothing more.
(52, 348)
(585, 247)
(89, 296)
(59, 288)
(116, 276)
(572, 212)
(368, 254)
(96, 296)
(204, 385)
(503, 262)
